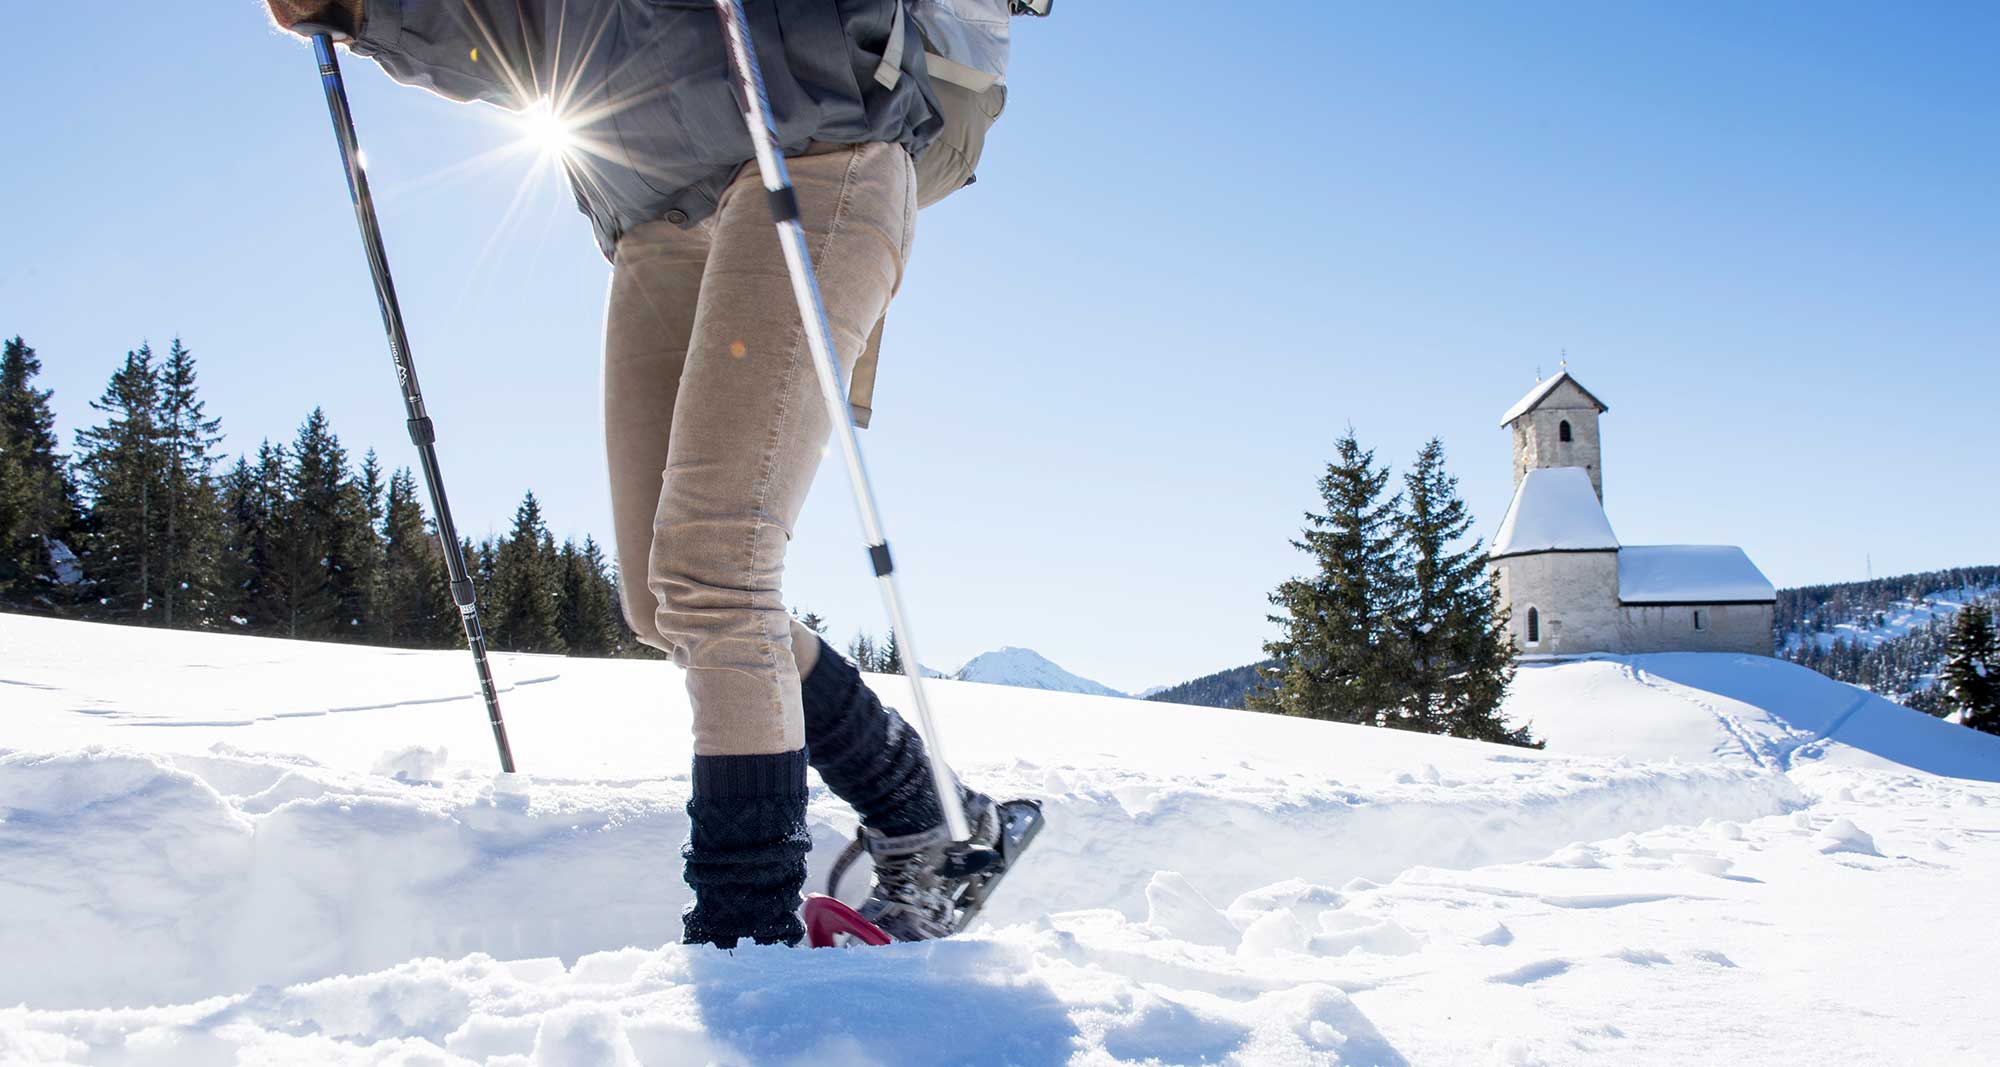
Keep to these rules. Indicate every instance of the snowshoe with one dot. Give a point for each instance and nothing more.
(926, 887)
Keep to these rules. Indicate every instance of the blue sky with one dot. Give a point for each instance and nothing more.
(1205, 240)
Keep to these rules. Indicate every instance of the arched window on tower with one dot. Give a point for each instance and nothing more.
(1534, 626)
(1562, 431)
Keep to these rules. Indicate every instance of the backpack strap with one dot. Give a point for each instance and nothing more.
(890, 71)
(946, 70)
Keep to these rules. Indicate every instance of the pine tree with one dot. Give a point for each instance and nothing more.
(38, 495)
(862, 651)
(1339, 656)
(415, 607)
(1460, 658)
(814, 623)
(254, 509)
(270, 590)
(584, 603)
(526, 586)
(890, 659)
(123, 464)
(190, 552)
(1971, 674)
(313, 559)
(368, 520)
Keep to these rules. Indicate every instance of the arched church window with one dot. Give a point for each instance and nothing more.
(1562, 431)
(1534, 626)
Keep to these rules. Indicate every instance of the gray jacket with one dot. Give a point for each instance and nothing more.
(660, 133)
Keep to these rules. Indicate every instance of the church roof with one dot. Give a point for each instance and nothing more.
(1690, 574)
(1541, 392)
(1554, 510)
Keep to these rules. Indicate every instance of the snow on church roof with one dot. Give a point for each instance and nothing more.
(1555, 509)
(1541, 392)
(1683, 574)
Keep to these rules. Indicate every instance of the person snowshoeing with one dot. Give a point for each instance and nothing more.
(713, 431)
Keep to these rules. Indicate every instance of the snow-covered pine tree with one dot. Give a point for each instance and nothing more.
(191, 565)
(1339, 656)
(1971, 674)
(1459, 657)
(526, 586)
(38, 495)
(122, 464)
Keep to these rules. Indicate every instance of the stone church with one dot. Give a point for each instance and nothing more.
(1571, 588)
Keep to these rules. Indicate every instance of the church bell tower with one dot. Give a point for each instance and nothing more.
(1555, 425)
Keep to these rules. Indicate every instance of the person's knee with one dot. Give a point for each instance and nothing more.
(712, 580)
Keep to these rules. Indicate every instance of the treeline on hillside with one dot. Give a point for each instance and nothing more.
(1396, 624)
(149, 524)
(1223, 689)
(1819, 608)
(1905, 668)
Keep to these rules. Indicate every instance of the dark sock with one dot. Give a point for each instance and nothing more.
(865, 752)
(746, 850)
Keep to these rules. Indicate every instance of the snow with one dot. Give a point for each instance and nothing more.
(225, 849)
(1709, 574)
(1539, 393)
(1554, 508)
(1738, 710)
(1028, 669)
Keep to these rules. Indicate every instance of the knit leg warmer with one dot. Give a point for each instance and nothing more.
(746, 850)
(865, 752)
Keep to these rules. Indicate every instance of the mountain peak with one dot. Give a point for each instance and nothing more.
(1028, 669)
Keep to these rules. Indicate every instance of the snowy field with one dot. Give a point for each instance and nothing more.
(219, 850)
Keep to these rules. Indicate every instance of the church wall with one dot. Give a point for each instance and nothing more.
(1670, 628)
(1538, 436)
(1576, 594)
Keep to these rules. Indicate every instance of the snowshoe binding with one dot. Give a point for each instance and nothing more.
(926, 886)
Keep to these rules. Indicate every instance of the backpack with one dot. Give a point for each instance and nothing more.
(965, 49)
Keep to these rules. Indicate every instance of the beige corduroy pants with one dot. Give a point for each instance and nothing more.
(714, 424)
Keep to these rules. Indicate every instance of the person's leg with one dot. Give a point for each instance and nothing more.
(865, 753)
(747, 437)
(648, 320)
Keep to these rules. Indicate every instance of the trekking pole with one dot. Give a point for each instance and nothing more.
(422, 433)
(819, 338)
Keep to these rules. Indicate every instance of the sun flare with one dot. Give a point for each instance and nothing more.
(551, 134)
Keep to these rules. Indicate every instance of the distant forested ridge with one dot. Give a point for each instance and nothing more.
(1887, 635)
(1223, 689)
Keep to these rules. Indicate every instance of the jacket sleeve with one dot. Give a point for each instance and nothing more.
(463, 49)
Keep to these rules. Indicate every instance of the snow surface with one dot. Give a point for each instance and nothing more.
(1028, 669)
(220, 849)
(1665, 574)
(1554, 508)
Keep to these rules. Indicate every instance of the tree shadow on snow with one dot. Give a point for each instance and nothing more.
(949, 1004)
